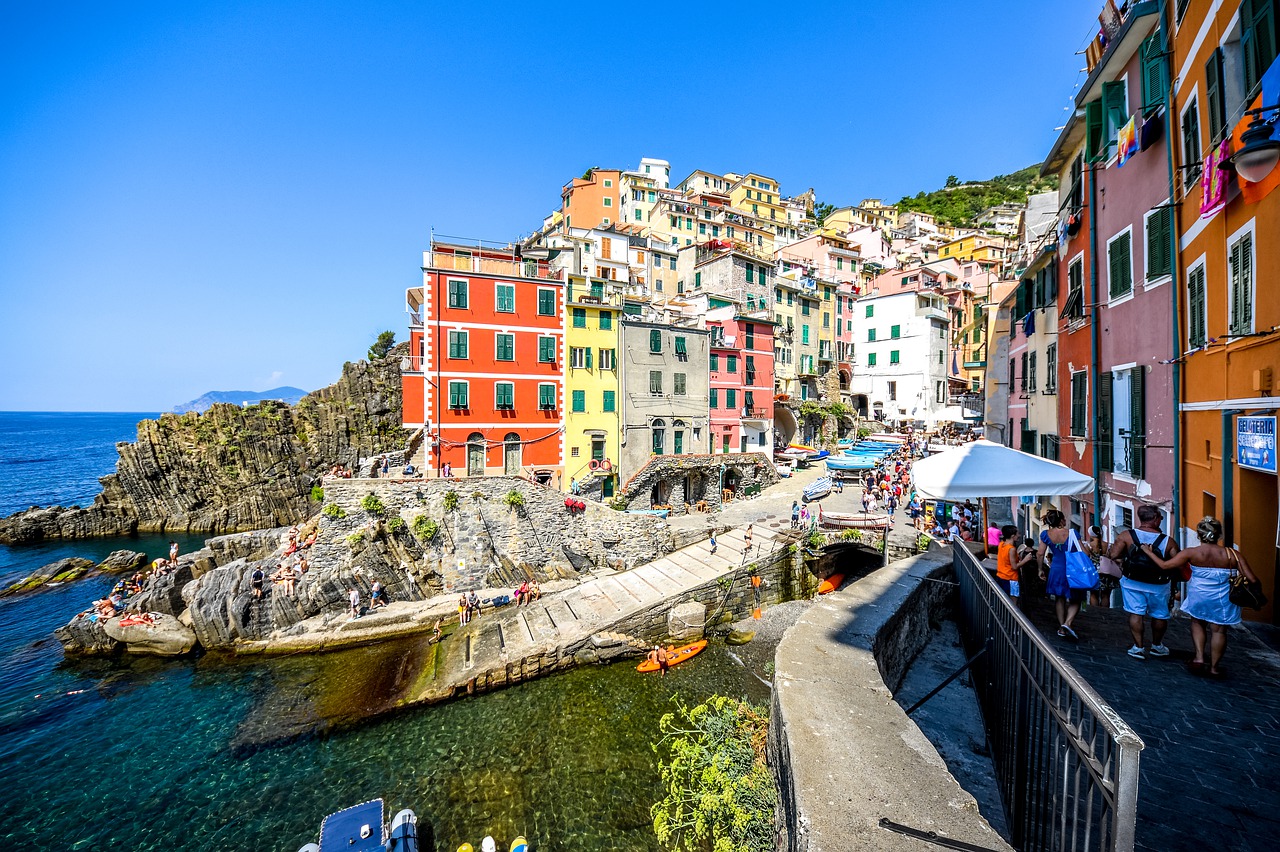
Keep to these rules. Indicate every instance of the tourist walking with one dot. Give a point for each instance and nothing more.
(1009, 562)
(256, 579)
(891, 503)
(1208, 591)
(353, 599)
(378, 595)
(713, 542)
(746, 538)
(1145, 586)
(1066, 600)
(795, 514)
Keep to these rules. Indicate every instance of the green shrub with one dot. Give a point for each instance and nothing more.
(851, 535)
(371, 504)
(333, 511)
(923, 541)
(317, 494)
(719, 792)
(513, 498)
(618, 504)
(356, 538)
(863, 431)
(451, 501)
(477, 495)
(396, 524)
(817, 539)
(425, 528)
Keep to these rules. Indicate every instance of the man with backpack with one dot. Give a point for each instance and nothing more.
(1143, 585)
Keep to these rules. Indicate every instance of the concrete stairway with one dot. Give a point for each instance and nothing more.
(515, 643)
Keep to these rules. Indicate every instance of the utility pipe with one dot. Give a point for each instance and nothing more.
(1175, 261)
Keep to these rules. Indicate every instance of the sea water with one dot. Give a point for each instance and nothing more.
(150, 754)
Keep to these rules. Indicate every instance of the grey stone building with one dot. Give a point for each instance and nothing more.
(729, 270)
(664, 387)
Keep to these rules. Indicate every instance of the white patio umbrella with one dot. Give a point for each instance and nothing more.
(982, 469)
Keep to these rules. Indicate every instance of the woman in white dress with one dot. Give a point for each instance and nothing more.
(1208, 602)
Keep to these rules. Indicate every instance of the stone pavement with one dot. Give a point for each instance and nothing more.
(1210, 772)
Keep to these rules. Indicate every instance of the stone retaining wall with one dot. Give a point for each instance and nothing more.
(707, 473)
(844, 753)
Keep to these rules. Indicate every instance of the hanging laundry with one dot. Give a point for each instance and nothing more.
(1152, 130)
(1214, 180)
(1029, 323)
(1127, 141)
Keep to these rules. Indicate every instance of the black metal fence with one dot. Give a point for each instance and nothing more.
(1065, 762)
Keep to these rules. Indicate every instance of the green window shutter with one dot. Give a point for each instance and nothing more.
(1137, 423)
(1159, 233)
(546, 396)
(457, 294)
(606, 320)
(579, 401)
(893, 356)
(895, 331)
(713, 398)
(678, 439)
(715, 362)
(579, 317)
(587, 355)
(504, 396)
(679, 382)
(657, 442)
(697, 280)
(1115, 108)
(655, 341)
(457, 394)
(655, 382)
(681, 347)
(458, 344)
(1213, 95)
(1154, 86)
(610, 401)
(871, 335)
(506, 348)
(1246, 285)
(871, 359)
(1106, 459)
(730, 398)
(732, 362)
(1196, 333)
(546, 303)
(871, 310)
(1258, 39)
(547, 350)
(1121, 269)
(1094, 148)
(506, 298)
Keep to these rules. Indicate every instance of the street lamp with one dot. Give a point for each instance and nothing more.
(1258, 152)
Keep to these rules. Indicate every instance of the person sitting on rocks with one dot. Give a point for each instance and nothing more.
(285, 576)
(378, 597)
(522, 593)
(473, 605)
(535, 591)
(436, 632)
(303, 566)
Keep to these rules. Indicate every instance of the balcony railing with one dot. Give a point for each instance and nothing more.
(755, 413)
(480, 265)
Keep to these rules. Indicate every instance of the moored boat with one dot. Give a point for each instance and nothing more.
(819, 489)
(360, 828)
(836, 463)
(855, 520)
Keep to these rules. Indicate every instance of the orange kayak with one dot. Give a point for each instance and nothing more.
(676, 657)
(830, 584)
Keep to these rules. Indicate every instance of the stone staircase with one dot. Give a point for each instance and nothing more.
(602, 618)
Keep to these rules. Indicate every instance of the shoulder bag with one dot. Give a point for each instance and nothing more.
(1245, 593)
(1081, 572)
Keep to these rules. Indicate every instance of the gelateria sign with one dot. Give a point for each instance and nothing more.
(1256, 443)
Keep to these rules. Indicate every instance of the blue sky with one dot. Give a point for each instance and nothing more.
(207, 196)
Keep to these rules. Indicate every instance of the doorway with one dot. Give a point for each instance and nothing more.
(512, 451)
(475, 454)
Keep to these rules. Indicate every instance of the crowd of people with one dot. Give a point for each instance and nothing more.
(116, 602)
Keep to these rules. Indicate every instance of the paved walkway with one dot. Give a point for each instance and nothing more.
(1211, 767)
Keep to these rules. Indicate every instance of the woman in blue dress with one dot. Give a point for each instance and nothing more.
(1208, 591)
(1066, 600)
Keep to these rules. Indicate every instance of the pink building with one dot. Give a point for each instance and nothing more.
(741, 392)
(827, 255)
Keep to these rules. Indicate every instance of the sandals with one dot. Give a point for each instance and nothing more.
(1067, 633)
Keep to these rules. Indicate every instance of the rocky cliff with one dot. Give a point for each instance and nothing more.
(233, 468)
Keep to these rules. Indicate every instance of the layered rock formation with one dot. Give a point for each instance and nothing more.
(75, 568)
(233, 468)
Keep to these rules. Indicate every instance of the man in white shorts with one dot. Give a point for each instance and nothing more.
(1143, 585)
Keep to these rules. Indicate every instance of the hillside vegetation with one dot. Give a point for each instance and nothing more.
(959, 203)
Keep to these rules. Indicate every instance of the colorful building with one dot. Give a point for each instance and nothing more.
(593, 311)
(485, 370)
(741, 381)
(592, 200)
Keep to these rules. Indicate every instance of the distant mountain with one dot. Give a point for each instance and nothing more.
(959, 203)
(235, 397)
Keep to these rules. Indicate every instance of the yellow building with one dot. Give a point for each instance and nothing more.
(757, 195)
(593, 310)
(979, 247)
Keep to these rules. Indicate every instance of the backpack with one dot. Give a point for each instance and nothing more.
(1140, 568)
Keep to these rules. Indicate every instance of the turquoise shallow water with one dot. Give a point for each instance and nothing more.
(143, 754)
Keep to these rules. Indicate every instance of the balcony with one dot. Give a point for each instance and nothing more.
(595, 295)
(487, 264)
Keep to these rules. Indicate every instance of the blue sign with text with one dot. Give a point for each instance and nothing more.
(1256, 443)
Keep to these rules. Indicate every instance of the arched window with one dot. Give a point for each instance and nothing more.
(659, 437)
(475, 454)
(512, 459)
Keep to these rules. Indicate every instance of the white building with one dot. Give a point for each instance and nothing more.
(901, 343)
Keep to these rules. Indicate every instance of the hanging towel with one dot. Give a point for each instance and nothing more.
(1214, 180)
(1029, 323)
(1152, 130)
(1127, 141)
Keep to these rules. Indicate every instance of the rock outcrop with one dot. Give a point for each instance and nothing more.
(122, 561)
(62, 571)
(233, 468)
(161, 635)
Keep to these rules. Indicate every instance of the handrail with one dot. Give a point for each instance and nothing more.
(1066, 763)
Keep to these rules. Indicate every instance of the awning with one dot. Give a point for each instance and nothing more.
(985, 469)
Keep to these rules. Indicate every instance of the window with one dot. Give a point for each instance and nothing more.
(1240, 264)
(1122, 422)
(1115, 107)
(1049, 447)
(457, 293)
(751, 273)
(606, 320)
(713, 398)
(579, 317)
(458, 395)
(546, 350)
(893, 391)
(1159, 224)
(1031, 372)
(546, 397)
(804, 307)
(607, 183)
(1051, 368)
(871, 335)
(895, 331)
(1022, 386)
(1079, 403)
(731, 363)
(506, 299)
(655, 341)
(871, 359)
(1196, 307)
(546, 303)
(826, 319)
(655, 382)
(730, 398)
(1213, 96)
(579, 401)
(504, 395)
(1120, 266)
(606, 359)
(580, 357)
(751, 336)
(893, 356)
(672, 264)
(608, 202)
(458, 344)
(715, 362)
(659, 437)
(679, 384)
(804, 334)
(610, 402)
(1074, 305)
(871, 310)
(697, 280)
(682, 349)
(1258, 39)
(504, 348)
(1191, 142)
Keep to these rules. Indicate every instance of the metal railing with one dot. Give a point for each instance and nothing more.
(1065, 762)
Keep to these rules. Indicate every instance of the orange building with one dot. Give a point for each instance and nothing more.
(485, 377)
(593, 200)
(1228, 270)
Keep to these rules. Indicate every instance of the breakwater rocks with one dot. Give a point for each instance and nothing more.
(233, 468)
(75, 568)
(420, 539)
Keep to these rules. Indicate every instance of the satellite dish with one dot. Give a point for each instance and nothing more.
(536, 253)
